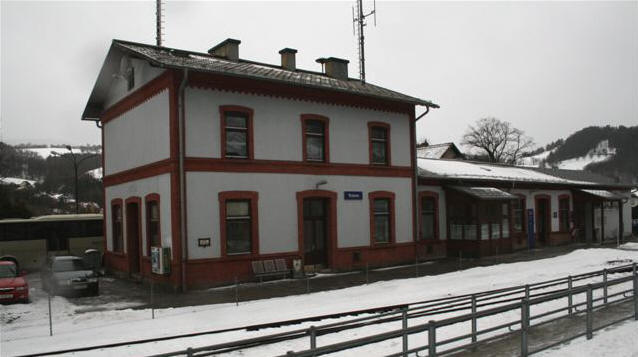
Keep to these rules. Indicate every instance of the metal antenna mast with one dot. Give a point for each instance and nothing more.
(159, 22)
(359, 20)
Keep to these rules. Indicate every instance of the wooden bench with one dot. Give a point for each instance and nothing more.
(266, 268)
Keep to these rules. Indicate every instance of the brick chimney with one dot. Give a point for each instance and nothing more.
(229, 49)
(334, 67)
(288, 58)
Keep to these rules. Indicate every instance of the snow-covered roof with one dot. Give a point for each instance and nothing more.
(485, 193)
(604, 194)
(455, 169)
(436, 151)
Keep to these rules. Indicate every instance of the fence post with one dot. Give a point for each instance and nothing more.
(527, 291)
(635, 293)
(605, 286)
(404, 326)
(460, 260)
(189, 351)
(312, 331)
(152, 300)
(569, 294)
(431, 338)
(236, 292)
(50, 318)
(416, 266)
(473, 318)
(367, 277)
(524, 326)
(590, 312)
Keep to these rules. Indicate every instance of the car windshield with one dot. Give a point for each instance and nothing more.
(8, 271)
(68, 265)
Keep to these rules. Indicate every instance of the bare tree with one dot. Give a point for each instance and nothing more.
(498, 140)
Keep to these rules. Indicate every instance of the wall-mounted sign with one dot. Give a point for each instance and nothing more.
(203, 242)
(352, 195)
(555, 214)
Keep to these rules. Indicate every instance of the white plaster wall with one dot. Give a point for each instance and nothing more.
(277, 208)
(277, 127)
(157, 184)
(143, 73)
(530, 202)
(442, 209)
(139, 136)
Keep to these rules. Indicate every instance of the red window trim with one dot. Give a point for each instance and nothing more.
(561, 227)
(388, 150)
(251, 196)
(117, 202)
(326, 137)
(223, 109)
(371, 197)
(434, 195)
(152, 197)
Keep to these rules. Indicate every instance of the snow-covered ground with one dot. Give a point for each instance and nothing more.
(15, 181)
(95, 173)
(614, 341)
(579, 163)
(45, 152)
(25, 329)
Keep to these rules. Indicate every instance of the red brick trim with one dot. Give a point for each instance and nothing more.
(223, 109)
(137, 97)
(141, 172)
(332, 220)
(117, 202)
(284, 90)
(388, 151)
(326, 136)
(129, 244)
(152, 197)
(390, 196)
(251, 196)
(435, 195)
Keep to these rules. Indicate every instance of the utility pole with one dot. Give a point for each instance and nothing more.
(360, 21)
(158, 22)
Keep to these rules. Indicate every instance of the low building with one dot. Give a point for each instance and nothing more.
(477, 209)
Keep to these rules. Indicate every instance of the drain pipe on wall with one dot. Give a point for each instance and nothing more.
(182, 177)
(415, 213)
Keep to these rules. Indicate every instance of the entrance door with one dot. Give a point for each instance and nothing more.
(542, 219)
(315, 220)
(133, 236)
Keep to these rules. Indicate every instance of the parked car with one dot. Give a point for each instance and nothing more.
(13, 285)
(69, 275)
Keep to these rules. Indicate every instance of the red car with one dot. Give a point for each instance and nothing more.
(13, 286)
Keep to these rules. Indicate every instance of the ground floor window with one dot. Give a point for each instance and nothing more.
(563, 213)
(518, 214)
(153, 231)
(116, 226)
(382, 217)
(429, 216)
(463, 220)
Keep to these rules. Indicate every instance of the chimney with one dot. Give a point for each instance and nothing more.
(229, 49)
(334, 67)
(288, 58)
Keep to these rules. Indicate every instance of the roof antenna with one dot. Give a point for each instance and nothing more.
(159, 22)
(359, 19)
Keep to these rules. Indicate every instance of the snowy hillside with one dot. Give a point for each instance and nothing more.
(602, 152)
(45, 152)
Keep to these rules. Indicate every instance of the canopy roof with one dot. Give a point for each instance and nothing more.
(484, 193)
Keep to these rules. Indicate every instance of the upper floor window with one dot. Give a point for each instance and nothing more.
(315, 138)
(236, 123)
(379, 136)
(563, 213)
(116, 225)
(153, 231)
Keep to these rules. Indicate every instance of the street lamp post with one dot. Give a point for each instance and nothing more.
(76, 163)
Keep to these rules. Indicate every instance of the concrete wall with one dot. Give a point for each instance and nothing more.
(140, 188)
(143, 73)
(139, 136)
(442, 209)
(277, 127)
(277, 208)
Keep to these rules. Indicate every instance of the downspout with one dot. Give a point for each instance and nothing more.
(182, 176)
(415, 212)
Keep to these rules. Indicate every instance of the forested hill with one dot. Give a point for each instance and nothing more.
(611, 151)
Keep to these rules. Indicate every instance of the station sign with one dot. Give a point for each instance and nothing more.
(352, 195)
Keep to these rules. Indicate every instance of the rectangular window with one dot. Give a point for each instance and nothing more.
(238, 227)
(505, 226)
(463, 221)
(563, 214)
(379, 145)
(116, 224)
(382, 213)
(153, 224)
(518, 214)
(315, 137)
(236, 134)
(428, 218)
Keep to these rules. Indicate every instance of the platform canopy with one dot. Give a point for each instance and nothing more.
(484, 193)
(605, 195)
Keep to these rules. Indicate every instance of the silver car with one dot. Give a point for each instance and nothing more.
(69, 275)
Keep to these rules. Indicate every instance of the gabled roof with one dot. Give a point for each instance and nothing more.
(165, 57)
(436, 151)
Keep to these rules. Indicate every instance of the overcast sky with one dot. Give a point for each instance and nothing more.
(549, 68)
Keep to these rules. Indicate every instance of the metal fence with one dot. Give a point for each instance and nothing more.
(467, 309)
